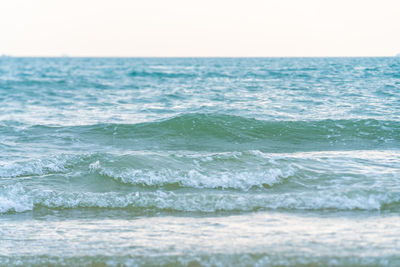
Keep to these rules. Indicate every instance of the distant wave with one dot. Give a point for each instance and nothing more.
(158, 74)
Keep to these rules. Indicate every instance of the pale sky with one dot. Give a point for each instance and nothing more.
(183, 28)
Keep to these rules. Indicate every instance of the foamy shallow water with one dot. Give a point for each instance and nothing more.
(261, 238)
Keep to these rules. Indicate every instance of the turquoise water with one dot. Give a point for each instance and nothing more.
(200, 162)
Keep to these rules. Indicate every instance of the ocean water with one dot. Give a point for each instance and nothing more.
(199, 162)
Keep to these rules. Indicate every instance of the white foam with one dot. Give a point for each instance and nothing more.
(34, 167)
(196, 178)
(16, 198)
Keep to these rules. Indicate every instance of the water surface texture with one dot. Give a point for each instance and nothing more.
(200, 162)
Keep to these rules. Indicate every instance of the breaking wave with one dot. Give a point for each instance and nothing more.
(16, 198)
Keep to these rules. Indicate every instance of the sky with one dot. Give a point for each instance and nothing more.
(201, 28)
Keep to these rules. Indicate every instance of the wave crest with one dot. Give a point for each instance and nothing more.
(216, 132)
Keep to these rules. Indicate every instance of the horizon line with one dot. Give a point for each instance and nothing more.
(72, 56)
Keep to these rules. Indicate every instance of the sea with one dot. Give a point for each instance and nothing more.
(199, 161)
